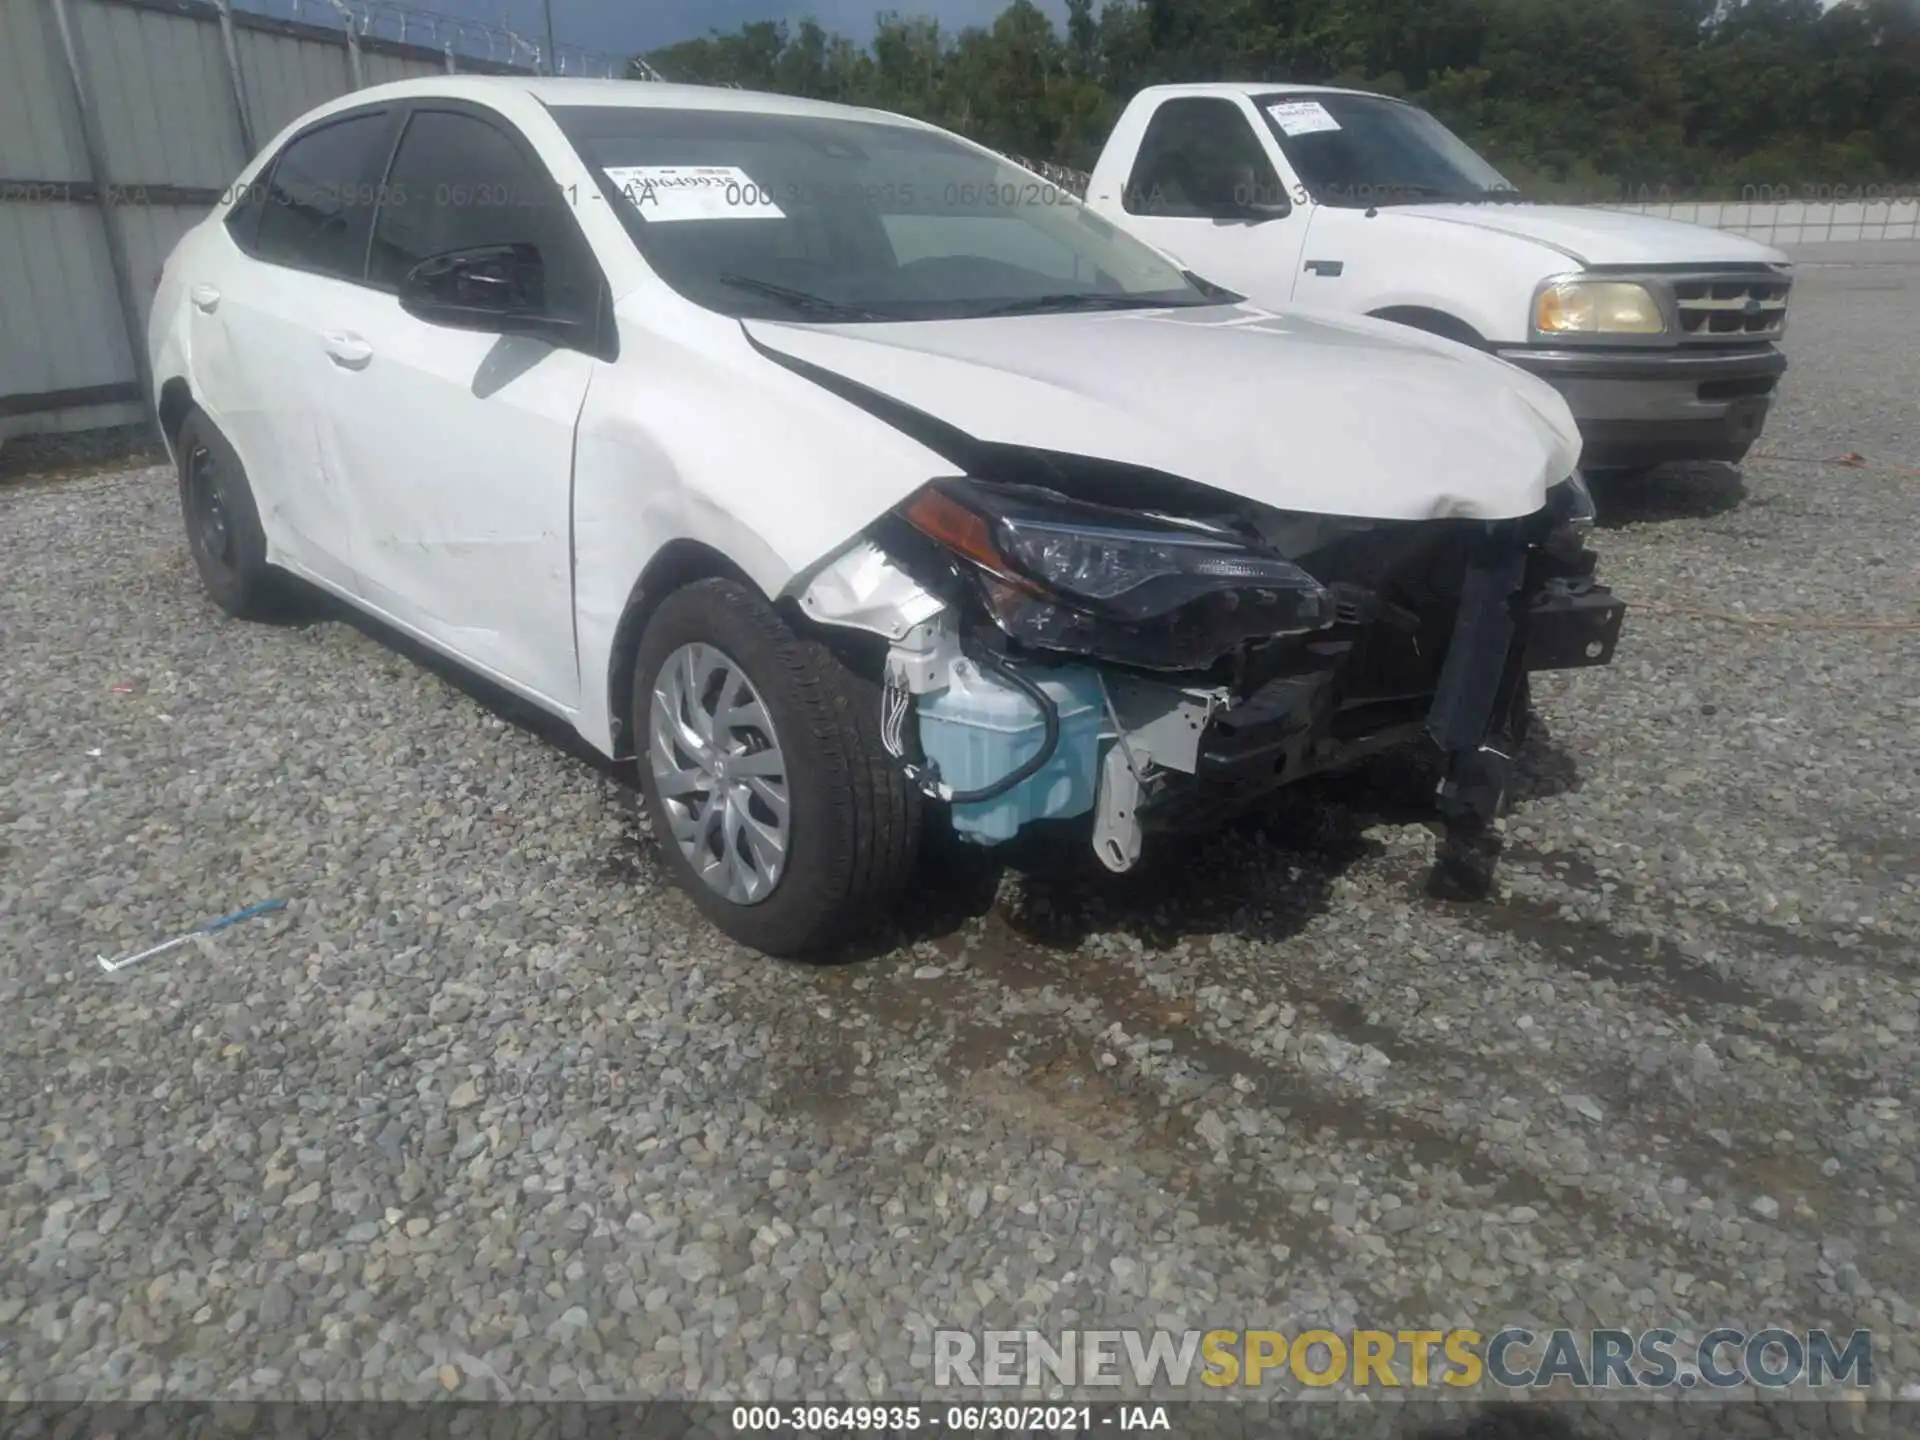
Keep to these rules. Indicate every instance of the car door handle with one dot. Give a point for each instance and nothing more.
(206, 298)
(1331, 269)
(347, 351)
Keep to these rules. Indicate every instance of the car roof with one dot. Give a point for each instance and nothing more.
(626, 94)
(1252, 87)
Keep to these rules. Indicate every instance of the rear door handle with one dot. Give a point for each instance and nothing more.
(348, 351)
(206, 298)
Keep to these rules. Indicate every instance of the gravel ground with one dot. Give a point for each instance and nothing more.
(489, 1111)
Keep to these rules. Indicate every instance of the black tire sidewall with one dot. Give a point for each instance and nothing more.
(244, 588)
(810, 699)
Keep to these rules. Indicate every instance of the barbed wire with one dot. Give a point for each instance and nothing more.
(465, 37)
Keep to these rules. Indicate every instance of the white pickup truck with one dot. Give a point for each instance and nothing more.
(1661, 336)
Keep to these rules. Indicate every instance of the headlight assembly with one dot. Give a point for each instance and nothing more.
(1063, 574)
(1597, 307)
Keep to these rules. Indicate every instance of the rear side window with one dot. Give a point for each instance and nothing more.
(457, 183)
(319, 197)
(1200, 157)
(243, 216)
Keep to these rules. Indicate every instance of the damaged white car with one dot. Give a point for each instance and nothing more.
(856, 479)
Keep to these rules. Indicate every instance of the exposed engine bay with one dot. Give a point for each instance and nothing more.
(1072, 639)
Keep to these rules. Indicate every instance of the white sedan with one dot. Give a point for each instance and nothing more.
(856, 478)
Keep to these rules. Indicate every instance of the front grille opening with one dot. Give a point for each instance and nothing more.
(1728, 323)
(1731, 308)
(1737, 389)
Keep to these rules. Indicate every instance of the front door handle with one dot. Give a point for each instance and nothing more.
(1331, 269)
(348, 351)
(206, 298)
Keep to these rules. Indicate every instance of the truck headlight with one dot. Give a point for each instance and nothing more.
(1597, 307)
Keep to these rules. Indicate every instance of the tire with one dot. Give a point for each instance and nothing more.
(224, 535)
(852, 819)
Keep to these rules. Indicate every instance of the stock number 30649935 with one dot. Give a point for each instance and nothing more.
(897, 1419)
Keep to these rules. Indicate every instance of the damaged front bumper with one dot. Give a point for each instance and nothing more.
(1428, 632)
(1341, 701)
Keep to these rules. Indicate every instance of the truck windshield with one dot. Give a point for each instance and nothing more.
(1366, 150)
(820, 218)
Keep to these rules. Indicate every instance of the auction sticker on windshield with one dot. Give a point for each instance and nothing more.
(693, 192)
(1302, 117)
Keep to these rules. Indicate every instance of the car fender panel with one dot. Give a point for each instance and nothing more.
(702, 440)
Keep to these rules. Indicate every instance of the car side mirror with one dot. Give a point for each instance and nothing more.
(497, 288)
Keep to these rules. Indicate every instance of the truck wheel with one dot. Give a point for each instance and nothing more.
(223, 526)
(771, 797)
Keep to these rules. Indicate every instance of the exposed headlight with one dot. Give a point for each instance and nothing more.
(1138, 573)
(1597, 307)
(1067, 575)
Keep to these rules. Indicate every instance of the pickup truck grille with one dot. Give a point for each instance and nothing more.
(1730, 309)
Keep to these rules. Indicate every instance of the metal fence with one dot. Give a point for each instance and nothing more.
(121, 121)
(1797, 222)
(495, 43)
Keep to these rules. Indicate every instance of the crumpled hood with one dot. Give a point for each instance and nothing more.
(1333, 416)
(1597, 237)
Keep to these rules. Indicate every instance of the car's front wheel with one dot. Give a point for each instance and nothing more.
(770, 794)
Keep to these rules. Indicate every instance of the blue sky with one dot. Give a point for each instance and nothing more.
(625, 26)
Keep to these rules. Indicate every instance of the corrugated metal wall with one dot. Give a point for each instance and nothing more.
(60, 327)
(167, 126)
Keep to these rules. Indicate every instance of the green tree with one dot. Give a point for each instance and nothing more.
(1577, 98)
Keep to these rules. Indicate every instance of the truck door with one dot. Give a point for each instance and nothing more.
(1206, 187)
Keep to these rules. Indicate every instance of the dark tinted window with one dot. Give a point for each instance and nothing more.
(317, 201)
(458, 182)
(1200, 157)
(243, 216)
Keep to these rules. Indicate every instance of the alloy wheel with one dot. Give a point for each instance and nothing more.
(720, 774)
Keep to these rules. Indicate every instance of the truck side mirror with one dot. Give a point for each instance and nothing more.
(1256, 208)
(1250, 200)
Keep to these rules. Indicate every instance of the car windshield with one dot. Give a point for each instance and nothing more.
(1366, 150)
(813, 218)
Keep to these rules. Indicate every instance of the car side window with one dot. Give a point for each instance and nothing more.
(316, 200)
(1200, 157)
(458, 182)
(243, 215)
